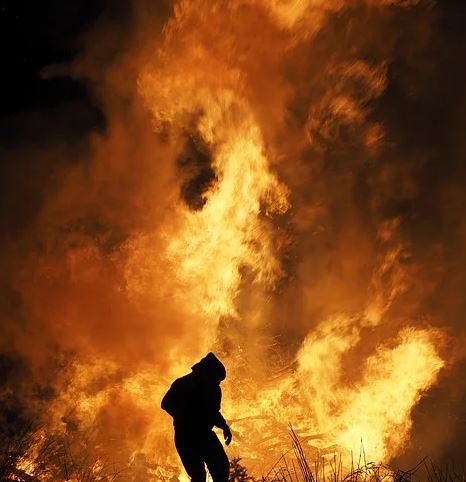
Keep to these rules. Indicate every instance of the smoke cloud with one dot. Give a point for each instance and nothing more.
(281, 182)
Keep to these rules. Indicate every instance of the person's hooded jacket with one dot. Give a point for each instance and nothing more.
(194, 400)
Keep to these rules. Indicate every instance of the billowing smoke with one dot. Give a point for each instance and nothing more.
(280, 182)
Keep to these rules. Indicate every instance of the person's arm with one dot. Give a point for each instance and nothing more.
(222, 424)
(219, 420)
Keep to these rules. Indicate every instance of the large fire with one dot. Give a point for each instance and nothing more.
(235, 258)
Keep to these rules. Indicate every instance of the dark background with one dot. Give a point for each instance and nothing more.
(36, 34)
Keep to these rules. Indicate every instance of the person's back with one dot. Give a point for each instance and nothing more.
(194, 403)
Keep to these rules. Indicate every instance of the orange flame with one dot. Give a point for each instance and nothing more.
(219, 266)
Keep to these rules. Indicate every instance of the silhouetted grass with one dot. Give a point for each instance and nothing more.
(58, 458)
(331, 469)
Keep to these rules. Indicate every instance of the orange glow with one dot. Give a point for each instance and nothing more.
(334, 356)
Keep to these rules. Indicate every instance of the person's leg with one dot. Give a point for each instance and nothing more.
(191, 456)
(216, 459)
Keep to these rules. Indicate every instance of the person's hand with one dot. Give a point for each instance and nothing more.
(227, 435)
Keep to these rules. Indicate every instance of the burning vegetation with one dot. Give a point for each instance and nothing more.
(253, 193)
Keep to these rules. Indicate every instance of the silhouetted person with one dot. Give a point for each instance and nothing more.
(194, 403)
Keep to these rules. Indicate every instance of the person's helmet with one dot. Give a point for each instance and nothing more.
(211, 367)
